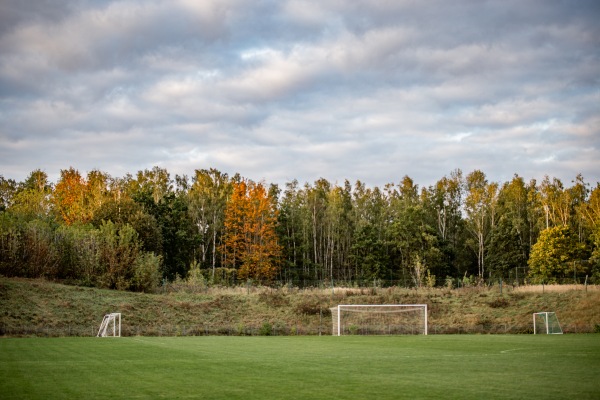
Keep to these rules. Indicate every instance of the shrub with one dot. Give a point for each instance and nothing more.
(449, 282)
(146, 272)
(274, 299)
(500, 302)
(119, 249)
(266, 329)
(308, 306)
(430, 280)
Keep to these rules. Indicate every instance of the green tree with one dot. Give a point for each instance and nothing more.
(207, 200)
(292, 232)
(126, 211)
(155, 183)
(480, 208)
(554, 255)
(556, 201)
(413, 239)
(98, 190)
(146, 272)
(8, 188)
(177, 231)
(32, 198)
(370, 247)
(79, 249)
(118, 250)
(443, 203)
(509, 244)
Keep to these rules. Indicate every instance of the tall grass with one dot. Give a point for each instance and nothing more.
(555, 288)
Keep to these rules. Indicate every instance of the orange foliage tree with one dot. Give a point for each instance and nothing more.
(76, 199)
(250, 242)
(69, 196)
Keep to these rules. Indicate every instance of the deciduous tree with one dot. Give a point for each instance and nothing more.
(251, 244)
(69, 197)
(480, 205)
(207, 200)
(553, 256)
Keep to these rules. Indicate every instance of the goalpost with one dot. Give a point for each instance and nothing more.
(546, 323)
(110, 326)
(382, 319)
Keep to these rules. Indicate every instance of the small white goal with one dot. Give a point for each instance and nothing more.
(382, 319)
(110, 326)
(546, 323)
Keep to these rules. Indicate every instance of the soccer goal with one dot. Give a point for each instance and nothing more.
(110, 326)
(383, 319)
(546, 323)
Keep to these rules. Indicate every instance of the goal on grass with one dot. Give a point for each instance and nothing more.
(110, 326)
(383, 319)
(546, 323)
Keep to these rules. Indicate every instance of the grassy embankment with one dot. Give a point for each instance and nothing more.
(37, 307)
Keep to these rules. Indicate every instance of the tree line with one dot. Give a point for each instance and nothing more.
(138, 231)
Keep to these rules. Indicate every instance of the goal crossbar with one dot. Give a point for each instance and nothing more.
(381, 309)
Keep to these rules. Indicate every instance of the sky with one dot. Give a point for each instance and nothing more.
(278, 90)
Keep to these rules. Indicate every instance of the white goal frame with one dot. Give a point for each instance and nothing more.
(546, 315)
(114, 320)
(386, 308)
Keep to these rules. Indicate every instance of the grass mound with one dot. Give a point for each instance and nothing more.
(41, 308)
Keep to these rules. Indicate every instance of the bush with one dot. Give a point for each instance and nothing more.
(266, 329)
(119, 250)
(500, 302)
(146, 272)
(308, 306)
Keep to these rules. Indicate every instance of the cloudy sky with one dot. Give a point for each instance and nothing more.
(368, 90)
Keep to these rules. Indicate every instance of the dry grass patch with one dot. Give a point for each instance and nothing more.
(555, 288)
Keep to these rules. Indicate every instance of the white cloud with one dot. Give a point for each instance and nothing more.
(287, 89)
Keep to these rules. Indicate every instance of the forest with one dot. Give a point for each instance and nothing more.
(138, 232)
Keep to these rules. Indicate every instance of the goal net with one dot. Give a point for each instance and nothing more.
(546, 323)
(384, 319)
(110, 326)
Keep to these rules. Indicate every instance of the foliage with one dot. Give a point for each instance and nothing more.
(480, 207)
(127, 211)
(266, 329)
(315, 234)
(207, 199)
(79, 247)
(554, 255)
(250, 243)
(32, 197)
(146, 272)
(8, 188)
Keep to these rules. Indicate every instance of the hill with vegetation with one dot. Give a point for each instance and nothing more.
(42, 308)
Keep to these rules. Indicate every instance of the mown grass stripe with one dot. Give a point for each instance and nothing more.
(466, 367)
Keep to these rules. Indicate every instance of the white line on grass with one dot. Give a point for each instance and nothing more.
(507, 351)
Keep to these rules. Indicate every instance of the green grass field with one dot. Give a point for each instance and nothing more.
(353, 367)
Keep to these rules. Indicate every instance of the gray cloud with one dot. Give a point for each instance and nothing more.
(282, 90)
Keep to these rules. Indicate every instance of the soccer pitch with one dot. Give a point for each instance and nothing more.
(302, 367)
